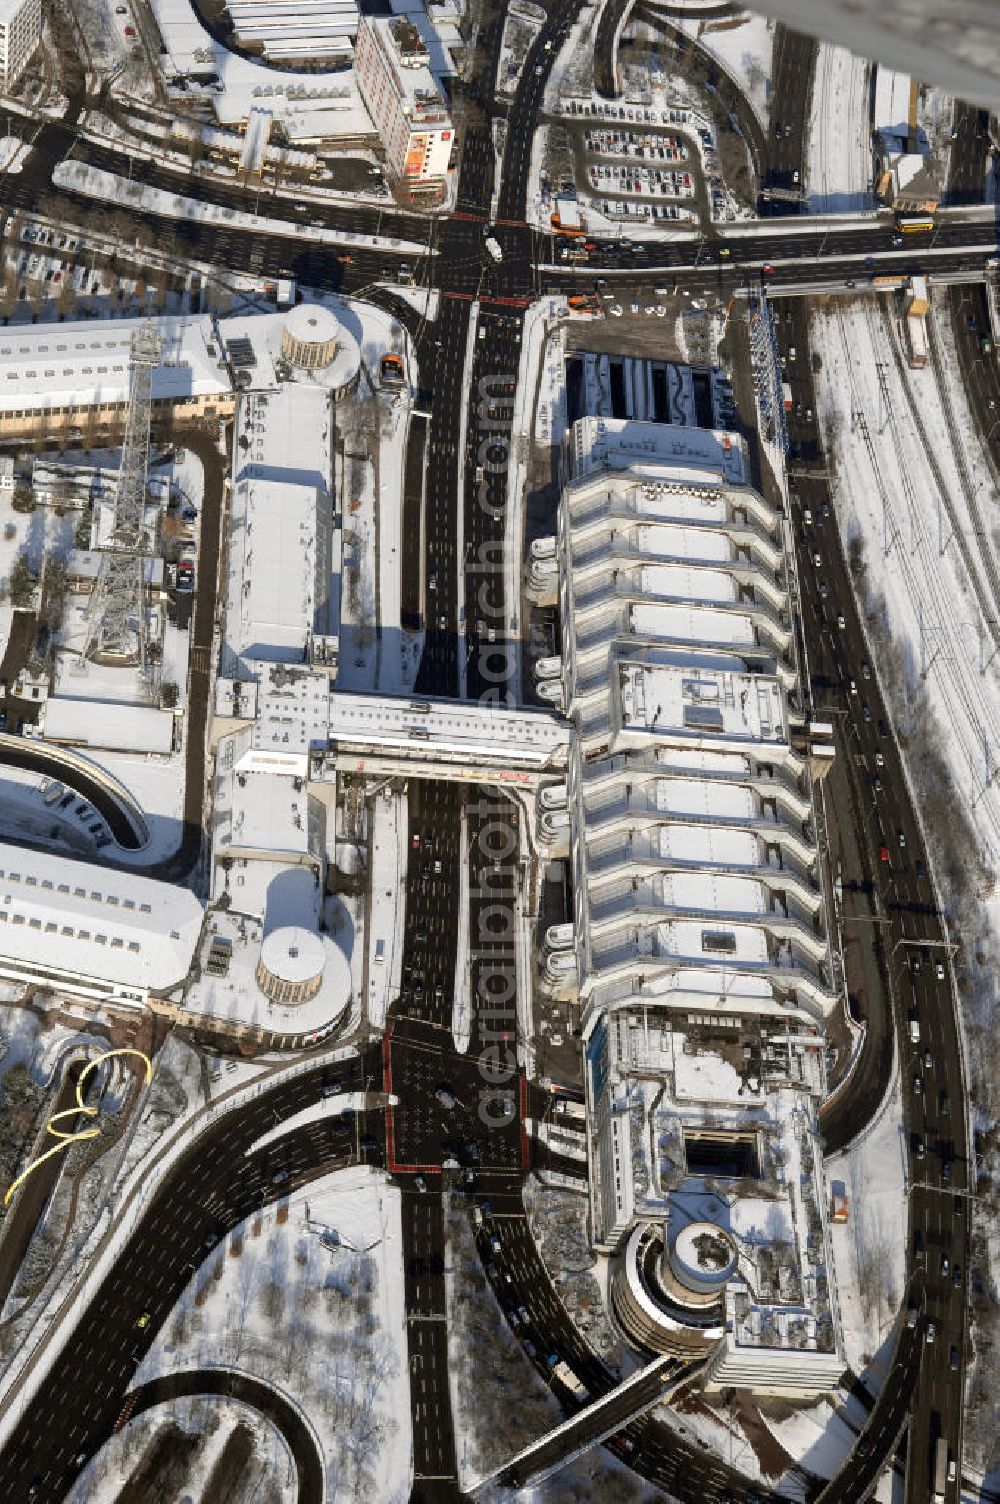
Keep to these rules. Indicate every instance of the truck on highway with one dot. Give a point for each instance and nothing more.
(391, 371)
(786, 396)
(914, 1028)
(493, 246)
(916, 338)
(940, 1469)
(565, 1375)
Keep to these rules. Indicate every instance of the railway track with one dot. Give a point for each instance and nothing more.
(925, 587)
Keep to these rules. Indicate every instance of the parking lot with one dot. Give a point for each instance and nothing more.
(636, 145)
(641, 169)
(41, 261)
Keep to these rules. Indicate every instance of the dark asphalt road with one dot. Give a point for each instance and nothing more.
(206, 1195)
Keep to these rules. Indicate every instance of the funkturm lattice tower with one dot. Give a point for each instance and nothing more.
(116, 615)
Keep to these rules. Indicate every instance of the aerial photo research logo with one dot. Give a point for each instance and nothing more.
(495, 843)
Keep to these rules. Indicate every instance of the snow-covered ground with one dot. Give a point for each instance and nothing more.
(818, 1437)
(868, 1249)
(208, 1425)
(838, 157)
(13, 152)
(522, 24)
(498, 1401)
(157, 785)
(550, 408)
(743, 45)
(914, 558)
(39, 535)
(308, 1295)
(95, 182)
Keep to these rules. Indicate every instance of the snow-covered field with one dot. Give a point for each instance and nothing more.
(498, 1401)
(308, 1295)
(197, 1433)
(744, 47)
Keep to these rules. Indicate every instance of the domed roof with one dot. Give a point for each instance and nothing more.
(704, 1253)
(293, 954)
(311, 324)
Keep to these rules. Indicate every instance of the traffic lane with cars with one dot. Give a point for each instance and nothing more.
(793, 64)
(427, 1337)
(172, 1240)
(916, 934)
(521, 1282)
(935, 1147)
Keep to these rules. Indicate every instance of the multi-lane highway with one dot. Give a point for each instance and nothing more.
(216, 1184)
(465, 1148)
(906, 933)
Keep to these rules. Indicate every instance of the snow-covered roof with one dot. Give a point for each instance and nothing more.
(311, 323)
(404, 48)
(312, 105)
(292, 953)
(293, 711)
(917, 177)
(75, 922)
(285, 29)
(700, 703)
(285, 431)
(279, 571)
(103, 723)
(694, 454)
(259, 811)
(75, 363)
(304, 401)
(676, 664)
(475, 732)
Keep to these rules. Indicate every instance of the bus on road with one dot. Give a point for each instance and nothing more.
(940, 1469)
(915, 224)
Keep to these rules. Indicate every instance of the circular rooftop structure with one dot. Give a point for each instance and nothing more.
(291, 964)
(309, 338)
(703, 1256)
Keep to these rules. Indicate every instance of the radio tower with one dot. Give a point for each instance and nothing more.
(116, 616)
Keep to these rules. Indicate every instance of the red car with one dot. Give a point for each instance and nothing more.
(130, 31)
(883, 854)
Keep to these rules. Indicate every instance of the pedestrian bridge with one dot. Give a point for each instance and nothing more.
(423, 738)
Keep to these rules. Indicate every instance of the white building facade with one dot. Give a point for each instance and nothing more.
(20, 34)
(91, 932)
(701, 958)
(404, 100)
